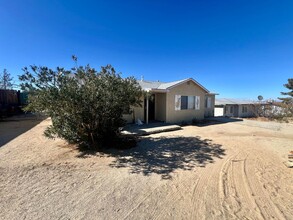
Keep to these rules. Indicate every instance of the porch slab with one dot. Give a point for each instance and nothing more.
(136, 130)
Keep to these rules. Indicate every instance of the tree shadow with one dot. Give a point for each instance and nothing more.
(166, 154)
(217, 120)
(11, 128)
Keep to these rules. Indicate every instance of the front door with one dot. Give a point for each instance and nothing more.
(151, 108)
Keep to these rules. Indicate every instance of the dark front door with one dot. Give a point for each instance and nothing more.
(151, 108)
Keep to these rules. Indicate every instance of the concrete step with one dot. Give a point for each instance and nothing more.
(152, 130)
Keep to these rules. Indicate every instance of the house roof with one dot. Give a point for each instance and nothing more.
(149, 84)
(157, 85)
(229, 101)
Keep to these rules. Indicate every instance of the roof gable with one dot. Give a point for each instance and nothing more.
(145, 85)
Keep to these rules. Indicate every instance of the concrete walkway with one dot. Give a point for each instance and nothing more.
(152, 128)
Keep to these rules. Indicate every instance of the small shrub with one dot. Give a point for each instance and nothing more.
(183, 123)
(194, 121)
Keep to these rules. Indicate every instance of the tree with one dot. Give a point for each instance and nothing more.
(287, 105)
(289, 86)
(6, 80)
(85, 106)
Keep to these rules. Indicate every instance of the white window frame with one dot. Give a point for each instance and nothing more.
(195, 100)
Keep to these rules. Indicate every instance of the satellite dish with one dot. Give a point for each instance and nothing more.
(259, 97)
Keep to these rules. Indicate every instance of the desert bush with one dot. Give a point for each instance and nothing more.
(183, 123)
(85, 106)
(194, 121)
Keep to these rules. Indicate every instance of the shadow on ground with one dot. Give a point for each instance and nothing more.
(12, 127)
(164, 155)
(217, 120)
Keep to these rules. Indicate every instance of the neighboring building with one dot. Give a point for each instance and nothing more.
(173, 102)
(236, 107)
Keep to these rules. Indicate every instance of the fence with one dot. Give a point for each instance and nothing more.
(11, 102)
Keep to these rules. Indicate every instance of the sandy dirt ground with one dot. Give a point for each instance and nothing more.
(217, 171)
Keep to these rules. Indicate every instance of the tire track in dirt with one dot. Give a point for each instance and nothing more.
(262, 196)
(205, 199)
(243, 194)
(237, 199)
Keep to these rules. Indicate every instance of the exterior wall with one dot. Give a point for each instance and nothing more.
(249, 113)
(128, 118)
(185, 89)
(228, 113)
(138, 113)
(238, 112)
(209, 112)
(160, 107)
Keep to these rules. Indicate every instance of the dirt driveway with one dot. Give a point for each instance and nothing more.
(220, 171)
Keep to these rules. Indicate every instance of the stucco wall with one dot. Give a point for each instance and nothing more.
(249, 113)
(237, 111)
(128, 118)
(228, 113)
(160, 107)
(138, 113)
(185, 89)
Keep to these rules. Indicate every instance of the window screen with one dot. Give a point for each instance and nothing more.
(191, 103)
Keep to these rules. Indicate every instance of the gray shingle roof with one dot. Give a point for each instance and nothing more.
(170, 84)
(145, 85)
(149, 84)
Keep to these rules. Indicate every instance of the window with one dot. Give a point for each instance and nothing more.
(191, 103)
(244, 109)
(231, 109)
(184, 102)
(187, 102)
(208, 102)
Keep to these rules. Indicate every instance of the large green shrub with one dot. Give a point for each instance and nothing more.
(85, 106)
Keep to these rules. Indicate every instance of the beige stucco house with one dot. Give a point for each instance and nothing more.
(173, 102)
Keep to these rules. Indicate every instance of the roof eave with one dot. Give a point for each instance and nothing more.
(156, 90)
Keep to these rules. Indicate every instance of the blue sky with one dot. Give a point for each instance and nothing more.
(239, 49)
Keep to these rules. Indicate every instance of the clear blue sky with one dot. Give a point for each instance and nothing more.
(240, 49)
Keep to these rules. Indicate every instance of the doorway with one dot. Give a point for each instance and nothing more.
(151, 108)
